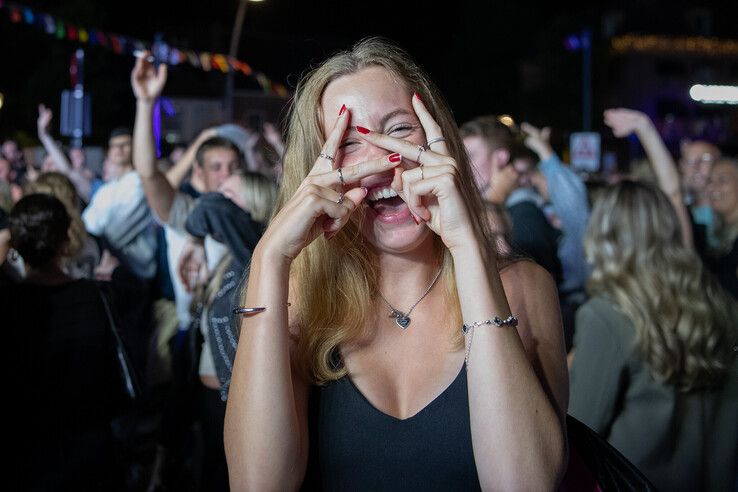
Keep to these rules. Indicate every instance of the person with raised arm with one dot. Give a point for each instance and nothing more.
(215, 159)
(376, 299)
(625, 121)
(60, 161)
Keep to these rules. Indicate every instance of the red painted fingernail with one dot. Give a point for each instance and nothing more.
(396, 157)
(418, 96)
(343, 110)
(361, 129)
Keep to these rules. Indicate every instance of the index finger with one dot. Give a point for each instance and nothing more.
(330, 147)
(430, 127)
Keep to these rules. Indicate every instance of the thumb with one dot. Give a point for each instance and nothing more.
(356, 195)
(353, 199)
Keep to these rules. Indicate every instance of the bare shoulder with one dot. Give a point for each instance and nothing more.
(527, 279)
(533, 298)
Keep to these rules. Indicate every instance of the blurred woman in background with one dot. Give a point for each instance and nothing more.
(67, 387)
(654, 368)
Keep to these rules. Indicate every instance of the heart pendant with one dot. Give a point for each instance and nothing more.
(402, 321)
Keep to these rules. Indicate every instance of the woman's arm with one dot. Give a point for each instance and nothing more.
(517, 428)
(62, 164)
(518, 386)
(266, 438)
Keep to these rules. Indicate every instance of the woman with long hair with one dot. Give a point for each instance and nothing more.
(82, 254)
(376, 299)
(654, 368)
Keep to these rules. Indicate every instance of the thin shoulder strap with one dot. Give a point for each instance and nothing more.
(129, 378)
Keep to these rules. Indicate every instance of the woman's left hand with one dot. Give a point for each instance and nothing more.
(431, 189)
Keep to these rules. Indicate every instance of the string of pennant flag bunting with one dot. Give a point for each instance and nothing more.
(126, 45)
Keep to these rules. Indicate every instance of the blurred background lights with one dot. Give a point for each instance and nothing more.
(506, 120)
(714, 94)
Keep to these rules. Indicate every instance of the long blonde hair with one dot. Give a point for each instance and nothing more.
(685, 324)
(258, 193)
(333, 283)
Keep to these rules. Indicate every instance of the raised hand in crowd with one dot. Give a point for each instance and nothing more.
(178, 172)
(147, 80)
(537, 140)
(59, 160)
(624, 122)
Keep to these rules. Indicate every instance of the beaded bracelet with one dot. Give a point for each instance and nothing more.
(497, 321)
(511, 320)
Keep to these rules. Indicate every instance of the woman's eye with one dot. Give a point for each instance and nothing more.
(401, 129)
(346, 144)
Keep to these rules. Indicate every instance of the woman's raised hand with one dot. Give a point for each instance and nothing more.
(431, 189)
(625, 121)
(323, 202)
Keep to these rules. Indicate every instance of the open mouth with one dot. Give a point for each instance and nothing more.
(385, 201)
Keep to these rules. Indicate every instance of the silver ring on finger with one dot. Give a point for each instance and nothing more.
(340, 199)
(340, 176)
(421, 173)
(421, 149)
(434, 140)
(326, 156)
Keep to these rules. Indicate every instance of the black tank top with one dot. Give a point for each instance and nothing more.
(355, 447)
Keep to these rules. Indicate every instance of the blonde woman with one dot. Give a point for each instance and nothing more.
(234, 218)
(81, 254)
(654, 369)
(379, 251)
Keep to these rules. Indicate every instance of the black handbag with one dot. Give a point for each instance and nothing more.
(127, 372)
(595, 465)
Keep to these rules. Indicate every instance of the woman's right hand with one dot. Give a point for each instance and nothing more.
(315, 207)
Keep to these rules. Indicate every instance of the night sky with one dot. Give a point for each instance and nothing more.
(474, 51)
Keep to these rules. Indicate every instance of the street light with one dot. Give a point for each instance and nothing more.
(714, 94)
(232, 53)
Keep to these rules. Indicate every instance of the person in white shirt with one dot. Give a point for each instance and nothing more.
(118, 213)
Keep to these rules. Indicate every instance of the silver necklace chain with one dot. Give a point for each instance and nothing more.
(403, 319)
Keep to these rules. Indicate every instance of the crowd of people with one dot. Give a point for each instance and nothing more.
(385, 300)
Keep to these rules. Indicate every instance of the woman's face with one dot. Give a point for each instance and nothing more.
(381, 104)
(231, 189)
(723, 190)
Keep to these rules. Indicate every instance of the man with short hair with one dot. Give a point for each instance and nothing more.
(118, 213)
(489, 144)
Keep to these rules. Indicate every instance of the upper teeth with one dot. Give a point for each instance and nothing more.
(382, 193)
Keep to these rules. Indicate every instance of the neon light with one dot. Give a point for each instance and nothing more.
(714, 94)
